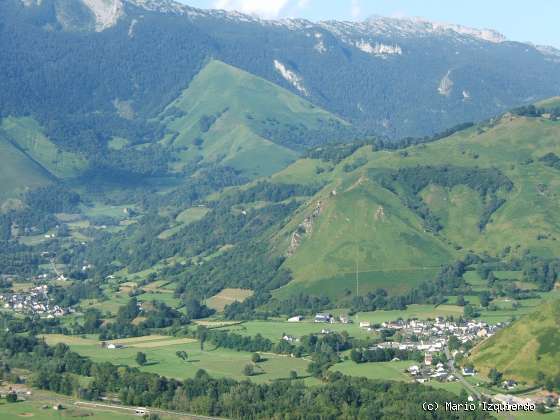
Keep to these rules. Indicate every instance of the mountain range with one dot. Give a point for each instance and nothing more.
(388, 77)
(208, 175)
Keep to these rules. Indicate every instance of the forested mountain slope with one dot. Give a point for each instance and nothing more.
(76, 65)
(226, 117)
(356, 218)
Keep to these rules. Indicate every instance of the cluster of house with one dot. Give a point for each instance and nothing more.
(437, 332)
(35, 301)
(431, 337)
(426, 372)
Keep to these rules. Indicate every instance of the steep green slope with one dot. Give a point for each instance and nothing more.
(397, 215)
(229, 116)
(513, 146)
(27, 134)
(30, 159)
(529, 346)
(365, 228)
(18, 172)
(225, 116)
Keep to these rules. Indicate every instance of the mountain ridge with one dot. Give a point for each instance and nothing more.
(109, 11)
(468, 192)
(371, 73)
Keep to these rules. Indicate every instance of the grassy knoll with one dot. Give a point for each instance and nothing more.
(227, 296)
(507, 311)
(302, 171)
(192, 214)
(114, 211)
(472, 299)
(508, 275)
(119, 299)
(454, 387)
(473, 279)
(162, 358)
(459, 209)
(110, 305)
(165, 296)
(159, 285)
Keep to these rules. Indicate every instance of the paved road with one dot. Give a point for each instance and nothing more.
(451, 364)
(150, 410)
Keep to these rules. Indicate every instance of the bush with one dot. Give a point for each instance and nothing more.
(248, 370)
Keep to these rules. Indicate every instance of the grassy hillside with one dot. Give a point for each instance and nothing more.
(30, 159)
(229, 116)
(225, 116)
(18, 171)
(484, 189)
(365, 227)
(528, 346)
(28, 136)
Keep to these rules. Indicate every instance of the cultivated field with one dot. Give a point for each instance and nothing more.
(228, 296)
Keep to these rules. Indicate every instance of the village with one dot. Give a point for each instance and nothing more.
(428, 338)
(35, 301)
(439, 342)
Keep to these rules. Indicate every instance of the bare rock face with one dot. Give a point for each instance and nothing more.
(85, 15)
(30, 3)
(304, 229)
(106, 12)
(292, 77)
(446, 85)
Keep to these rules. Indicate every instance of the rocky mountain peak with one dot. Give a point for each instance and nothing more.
(418, 26)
